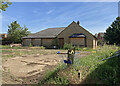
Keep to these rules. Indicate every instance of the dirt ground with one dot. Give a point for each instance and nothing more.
(28, 66)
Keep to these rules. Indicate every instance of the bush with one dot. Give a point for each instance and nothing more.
(42, 47)
(78, 48)
(30, 45)
(67, 46)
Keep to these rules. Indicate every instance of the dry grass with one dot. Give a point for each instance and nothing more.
(10, 55)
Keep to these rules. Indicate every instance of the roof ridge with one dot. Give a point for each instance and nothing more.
(56, 27)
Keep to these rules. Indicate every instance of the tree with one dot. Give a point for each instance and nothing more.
(112, 34)
(16, 32)
(4, 4)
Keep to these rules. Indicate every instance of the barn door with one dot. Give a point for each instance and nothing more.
(61, 42)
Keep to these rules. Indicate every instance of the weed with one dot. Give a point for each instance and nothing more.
(105, 71)
(67, 46)
(30, 45)
(8, 47)
(52, 77)
(42, 47)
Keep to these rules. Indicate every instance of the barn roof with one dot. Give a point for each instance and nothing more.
(52, 32)
(47, 33)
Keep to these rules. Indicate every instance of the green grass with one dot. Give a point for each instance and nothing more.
(101, 71)
(19, 47)
(92, 69)
(94, 58)
(6, 51)
(8, 47)
(77, 48)
(52, 77)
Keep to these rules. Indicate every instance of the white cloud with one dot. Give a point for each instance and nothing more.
(50, 11)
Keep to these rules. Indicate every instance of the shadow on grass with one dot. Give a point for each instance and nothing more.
(107, 73)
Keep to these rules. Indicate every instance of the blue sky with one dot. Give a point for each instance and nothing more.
(93, 16)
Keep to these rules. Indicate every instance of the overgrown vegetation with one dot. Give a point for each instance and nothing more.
(103, 72)
(42, 47)
(9, 47)
(67, 46)
(92, 69)
(52, 77)
(30, 45)
(70, 46)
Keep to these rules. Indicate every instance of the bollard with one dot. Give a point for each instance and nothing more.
(71, 53)
(70, 57)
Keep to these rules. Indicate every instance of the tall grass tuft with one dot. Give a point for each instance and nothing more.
(100, 71)
(67, 46)
(52, 77)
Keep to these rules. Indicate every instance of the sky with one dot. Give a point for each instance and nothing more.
(93, 16)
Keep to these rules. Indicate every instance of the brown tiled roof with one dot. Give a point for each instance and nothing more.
(47, 33)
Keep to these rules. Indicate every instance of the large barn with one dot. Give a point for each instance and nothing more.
(73, 33)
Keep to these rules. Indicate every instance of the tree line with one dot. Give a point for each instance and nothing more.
(112, 34)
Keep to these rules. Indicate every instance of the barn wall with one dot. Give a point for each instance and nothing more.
(47, 42)
(36, 42)
(75, 28)
(26, 42)
(77, 41)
